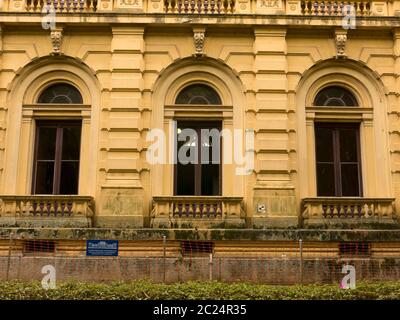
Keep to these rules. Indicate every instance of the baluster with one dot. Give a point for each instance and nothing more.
(176, 209)
(340, 8)
(192, 207)
(222, 6)
(197, 212)
(320, 9)
(358, 8)
(319, 210)
(336, 8)
(377, 210)
(314, 7)
(325, 8)
(18, 207)
(218, 211)
(333, 211)
(202, 6)
(31, 208)
(182, 6)
(37, 6)
(71, 208)
(363, 210)
(363, 11)
(33, 6)
(24, 209)
(340, 210)
(347, 212)
(59, 210)
(328, 6)
(231, 6)
(185, 209)
(169, 6)
(91, 7)
(390, 210)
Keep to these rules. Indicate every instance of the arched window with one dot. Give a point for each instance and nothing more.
(337, 147)
(61, 93)
(202, 175)
(198, 94)
(58, 145)
(335, 96)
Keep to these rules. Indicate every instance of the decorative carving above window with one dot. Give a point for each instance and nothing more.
(199, 94)
(335, 96)
(61, 93)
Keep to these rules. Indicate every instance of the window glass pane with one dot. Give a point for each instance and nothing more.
(210, 158)
(46, 143)
(198, 94)
(335, 96)
(71, 143)
(186, 156)
(350, 185)
(44, 177)
(325, 180)
(69, 177)
(348, 145)
(61, 93)
(324, 144)
(210, 179)
(185, 179)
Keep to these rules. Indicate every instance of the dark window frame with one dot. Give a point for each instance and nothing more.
(337, 163)
(197, 126)
(59, 125)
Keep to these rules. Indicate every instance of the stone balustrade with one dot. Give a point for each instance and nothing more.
(308, 8)
(336, 8)
(192, 211)
(37, 210)
(200, 6)
(348, 210)
(60, 6)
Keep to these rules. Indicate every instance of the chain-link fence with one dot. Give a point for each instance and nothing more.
(285, 262)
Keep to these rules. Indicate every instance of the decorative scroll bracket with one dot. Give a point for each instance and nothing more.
(340, 43)
(199, 38)
(56, 37)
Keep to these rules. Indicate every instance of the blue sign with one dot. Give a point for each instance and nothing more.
(102, 248)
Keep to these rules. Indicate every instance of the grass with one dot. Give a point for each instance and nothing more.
(146, 290)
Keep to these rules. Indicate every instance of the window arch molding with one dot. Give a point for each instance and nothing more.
(169, 83)
(24, 111)
(370, 114)
(44, 81)
(198, 77)
(361, 94)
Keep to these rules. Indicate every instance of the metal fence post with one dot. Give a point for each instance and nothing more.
(9, 255)
(301, 260)
(164, 256)
(211, 267)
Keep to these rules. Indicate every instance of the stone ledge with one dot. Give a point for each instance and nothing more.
(204, 234)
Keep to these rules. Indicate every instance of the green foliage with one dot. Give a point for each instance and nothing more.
(144, 290)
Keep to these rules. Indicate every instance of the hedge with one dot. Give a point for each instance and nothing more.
(146, 290)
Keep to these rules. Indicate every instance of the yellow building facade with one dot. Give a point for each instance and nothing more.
(84, 83)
